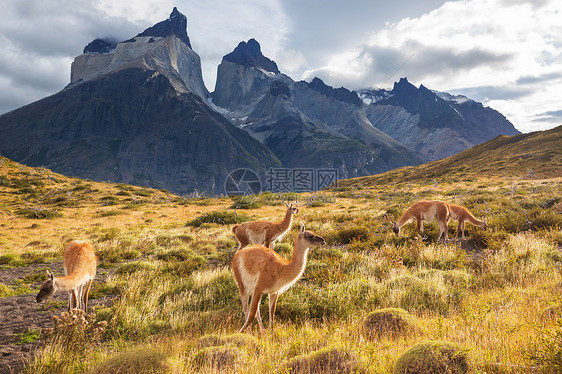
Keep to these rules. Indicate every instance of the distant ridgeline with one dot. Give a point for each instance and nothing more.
(139, 112)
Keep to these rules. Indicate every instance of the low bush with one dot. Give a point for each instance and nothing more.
(433, 357)
(219, 217)
(38, 213)
(388, 322)
(326, 360)
(219, 358)
(349, 234)
(141, 360)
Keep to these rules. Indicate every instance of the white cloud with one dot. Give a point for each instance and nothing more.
(466, 45)
(505, 53)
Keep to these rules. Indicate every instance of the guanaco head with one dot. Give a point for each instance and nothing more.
(292, 208)
(47, 288)
(390, 219)
(310, 239)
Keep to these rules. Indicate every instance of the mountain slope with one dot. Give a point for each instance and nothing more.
(136, 113)
(436, 125)
(537, 154)
(131, 126)
(307, 125)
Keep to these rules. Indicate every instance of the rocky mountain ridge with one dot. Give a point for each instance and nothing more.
(138, 111)
(437, 125)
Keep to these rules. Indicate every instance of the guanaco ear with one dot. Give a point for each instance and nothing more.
(51, 275)
(287, 205)
(302, 227)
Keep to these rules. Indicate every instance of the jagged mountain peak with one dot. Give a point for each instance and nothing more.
(176, 25)
(404, 87)
(101, 46)
(341, 94)
(249, 54)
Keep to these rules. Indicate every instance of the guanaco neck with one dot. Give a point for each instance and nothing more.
(475, 221)
(404, 218)
(286, 223)
(69, 282)
(294, 269)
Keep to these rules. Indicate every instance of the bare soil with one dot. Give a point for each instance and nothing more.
(19, 314)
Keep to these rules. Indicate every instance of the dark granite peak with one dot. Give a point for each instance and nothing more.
(404, 87)
(341, 94)
(249, 54)
(175, 25)
(279, 88)
(100, 46)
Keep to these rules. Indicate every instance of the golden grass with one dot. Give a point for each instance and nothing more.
(490, 294)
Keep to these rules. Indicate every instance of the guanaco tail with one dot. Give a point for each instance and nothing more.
(461, 214)
(425, 210)
(79, 262)
(259, 270)
(264, 232)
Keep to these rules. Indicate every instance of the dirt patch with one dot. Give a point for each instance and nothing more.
(19, 314)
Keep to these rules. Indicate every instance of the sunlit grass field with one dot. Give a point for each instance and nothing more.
(175, 305)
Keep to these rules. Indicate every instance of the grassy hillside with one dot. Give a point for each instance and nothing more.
(172, 303)
(533, 155)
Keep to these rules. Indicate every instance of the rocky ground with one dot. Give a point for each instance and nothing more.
(19, 314)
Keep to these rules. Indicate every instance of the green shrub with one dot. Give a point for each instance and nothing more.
(38, 213)
(219, 358)
(144, 192)
(349, 234)
(546, 352)
(237, 340)
(180, 254)
(141, 360)
(11, 260)
(245, 202)
(6, 290)
(433, 357)
(388, 322)
(186, 266)
(326, 360)
(132, 267)
(219, 217)
(29, 336)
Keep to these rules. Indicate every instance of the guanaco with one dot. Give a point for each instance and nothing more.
(264, 232)
(425, 210)
(79, 262)
(259, 270)
(461, 214)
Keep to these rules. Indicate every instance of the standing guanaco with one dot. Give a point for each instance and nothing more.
(259, 270)
(461, 214)
(264, 232)
(79, 262)
(425, 210)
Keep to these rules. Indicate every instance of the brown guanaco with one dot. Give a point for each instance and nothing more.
(264, 232)
(425, 210)
(79, 262)
(461, 214)
(259, 270)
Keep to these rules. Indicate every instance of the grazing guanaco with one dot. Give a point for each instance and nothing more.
(461, 214)
(259, 270)
(264, 232)
(425, 210)
(79, 262)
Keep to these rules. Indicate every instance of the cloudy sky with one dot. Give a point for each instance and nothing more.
(504, 53)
